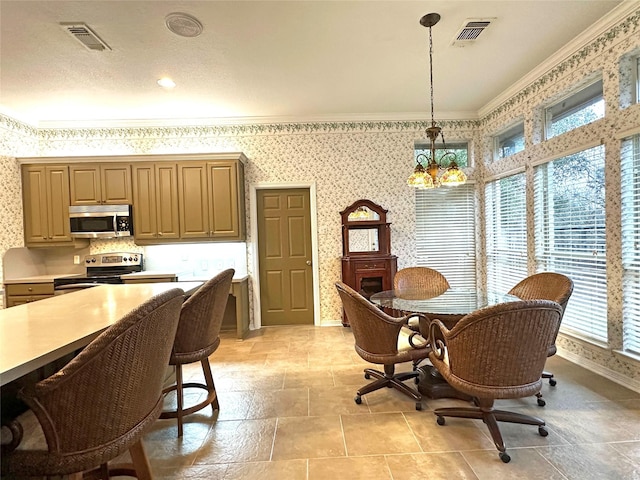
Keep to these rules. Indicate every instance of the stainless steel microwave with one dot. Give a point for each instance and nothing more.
(100, 221)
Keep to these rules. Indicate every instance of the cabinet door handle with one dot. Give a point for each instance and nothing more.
(309, 262)
(159, 234)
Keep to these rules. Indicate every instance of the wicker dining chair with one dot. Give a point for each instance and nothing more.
(101, 403)
(494, 353)
(198, 336)
(383, 340)
(423, 280)
(545, 286)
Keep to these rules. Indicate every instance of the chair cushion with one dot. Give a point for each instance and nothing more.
(403, 340)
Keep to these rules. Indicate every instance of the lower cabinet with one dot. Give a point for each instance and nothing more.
(368, 275)
(21, 293)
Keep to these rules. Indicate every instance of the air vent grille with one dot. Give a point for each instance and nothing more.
(86, 36)
(470, 31)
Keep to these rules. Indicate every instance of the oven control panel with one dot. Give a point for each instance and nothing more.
(123, 259)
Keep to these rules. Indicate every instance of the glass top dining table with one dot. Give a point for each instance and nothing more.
(449, 307)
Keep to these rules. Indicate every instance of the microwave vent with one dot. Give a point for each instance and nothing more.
(85, 36)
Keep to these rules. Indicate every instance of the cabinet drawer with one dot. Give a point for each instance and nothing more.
(370, 265)
(22, 299)
(29, 289)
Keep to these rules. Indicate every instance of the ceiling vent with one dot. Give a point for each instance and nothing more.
(86, 36)
(183, 24)
(470, 31)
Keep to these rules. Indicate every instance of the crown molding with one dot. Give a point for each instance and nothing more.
(607, 22)
(270, 120)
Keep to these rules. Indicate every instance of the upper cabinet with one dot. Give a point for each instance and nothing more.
(211, 200)
(155, 202)
(45, 191)
(175, 198)
(96, 184)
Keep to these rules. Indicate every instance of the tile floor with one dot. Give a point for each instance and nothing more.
(287, 413)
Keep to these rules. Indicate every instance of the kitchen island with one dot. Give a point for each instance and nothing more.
(35, 334)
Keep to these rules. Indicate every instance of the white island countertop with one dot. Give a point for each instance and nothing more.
(34, 334)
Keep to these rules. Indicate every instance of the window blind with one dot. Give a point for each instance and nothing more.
(631, 243)
(445, 233)
(506, 227)
(570, 235)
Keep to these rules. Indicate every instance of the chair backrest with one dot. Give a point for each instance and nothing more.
(420, 280)
(105, 397)
(201, 318)
(374, 331)
(503, 345)
(545, 286)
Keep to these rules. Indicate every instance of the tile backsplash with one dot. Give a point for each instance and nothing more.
(197, 260)
(202, 260)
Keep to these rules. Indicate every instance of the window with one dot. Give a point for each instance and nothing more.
(631, 243)
(445, 233)
(570, 235)
(579, 109)
(505, 201)
(461, 149)
(510, 141)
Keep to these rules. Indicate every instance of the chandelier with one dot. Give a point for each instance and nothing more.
(428, 175)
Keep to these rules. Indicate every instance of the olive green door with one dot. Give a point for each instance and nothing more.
(284, 256)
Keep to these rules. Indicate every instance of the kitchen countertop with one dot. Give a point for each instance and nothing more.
(38, 278)
(189, 277)
(141, 275)
(34, 334)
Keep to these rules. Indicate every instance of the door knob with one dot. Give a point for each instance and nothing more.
(309, 262)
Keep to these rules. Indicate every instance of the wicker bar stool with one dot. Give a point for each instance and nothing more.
(197, 338)
(101, 403)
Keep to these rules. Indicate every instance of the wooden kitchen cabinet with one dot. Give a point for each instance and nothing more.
(21, 293)
(45, 191)
(211, 200)
(155, 202)
(175, 198)
(97, 184)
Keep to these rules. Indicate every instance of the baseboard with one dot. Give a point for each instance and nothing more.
(600, 370)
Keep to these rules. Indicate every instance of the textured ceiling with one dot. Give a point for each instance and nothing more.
(274, 61)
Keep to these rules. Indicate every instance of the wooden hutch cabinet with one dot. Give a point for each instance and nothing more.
(367, 264)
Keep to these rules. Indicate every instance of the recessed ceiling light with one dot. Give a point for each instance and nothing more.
(166, 82)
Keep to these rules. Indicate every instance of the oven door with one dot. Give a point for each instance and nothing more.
(64, 285)
(64, 289)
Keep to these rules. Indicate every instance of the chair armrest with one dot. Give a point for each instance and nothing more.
(438, 333)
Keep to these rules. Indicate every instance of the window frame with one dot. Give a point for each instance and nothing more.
(577, 101)
(630, 233)
(560, 227)
(514, 133)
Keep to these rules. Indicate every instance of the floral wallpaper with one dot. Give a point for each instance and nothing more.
(352, 160)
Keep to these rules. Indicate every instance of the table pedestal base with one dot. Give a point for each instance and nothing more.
(432, 385)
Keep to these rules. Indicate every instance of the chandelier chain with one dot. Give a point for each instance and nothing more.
(431, 73)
